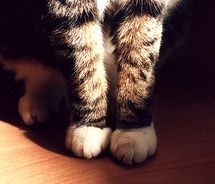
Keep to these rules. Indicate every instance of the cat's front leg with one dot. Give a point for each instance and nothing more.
(137, 35)
(88, 134)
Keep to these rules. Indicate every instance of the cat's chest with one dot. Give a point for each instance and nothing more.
(108, 6)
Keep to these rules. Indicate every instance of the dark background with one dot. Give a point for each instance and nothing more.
(184, 117)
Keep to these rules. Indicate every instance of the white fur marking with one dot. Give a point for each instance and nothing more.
(101, 5)
(133, 145)
(87, 141)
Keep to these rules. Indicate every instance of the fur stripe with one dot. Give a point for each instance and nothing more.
(142, 111)
(153, 8)
(130, 8)
(88, 75)
(66, 13)
(138, 41)
(77, 26)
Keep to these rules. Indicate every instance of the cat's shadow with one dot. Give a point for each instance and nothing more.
(49, 135)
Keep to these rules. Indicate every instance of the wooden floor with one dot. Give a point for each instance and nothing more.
(184, 119)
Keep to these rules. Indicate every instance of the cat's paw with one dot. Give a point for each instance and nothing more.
(39, 107)
(134, 145)
(33, 109)
(42, 98)
(87, 141)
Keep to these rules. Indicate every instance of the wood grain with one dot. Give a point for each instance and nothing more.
(184, 118)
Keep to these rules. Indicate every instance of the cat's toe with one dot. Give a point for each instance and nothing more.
(38, 108)
(33, 110)
(134, 145)
(87, 141)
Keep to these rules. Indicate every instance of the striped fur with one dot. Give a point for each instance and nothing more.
(136, 28)
(137, 51)
(107, 51)
(85, 38)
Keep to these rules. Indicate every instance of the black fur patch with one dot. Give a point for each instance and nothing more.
(85, 16)
(79, 117)
(150, 7)
(133, 8)
(65, 22)
(141, 116)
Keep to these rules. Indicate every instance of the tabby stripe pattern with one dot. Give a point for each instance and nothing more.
(82, 33)
(152, 8)
(138, 39)
(66, 13)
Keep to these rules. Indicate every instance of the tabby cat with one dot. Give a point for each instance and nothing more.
(99, 54)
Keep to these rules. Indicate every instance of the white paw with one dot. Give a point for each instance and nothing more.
(133, 145)
(87, 142)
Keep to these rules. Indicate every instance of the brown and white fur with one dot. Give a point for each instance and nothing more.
(111, 48)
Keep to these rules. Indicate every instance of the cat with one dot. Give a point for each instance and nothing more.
(100, 55)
